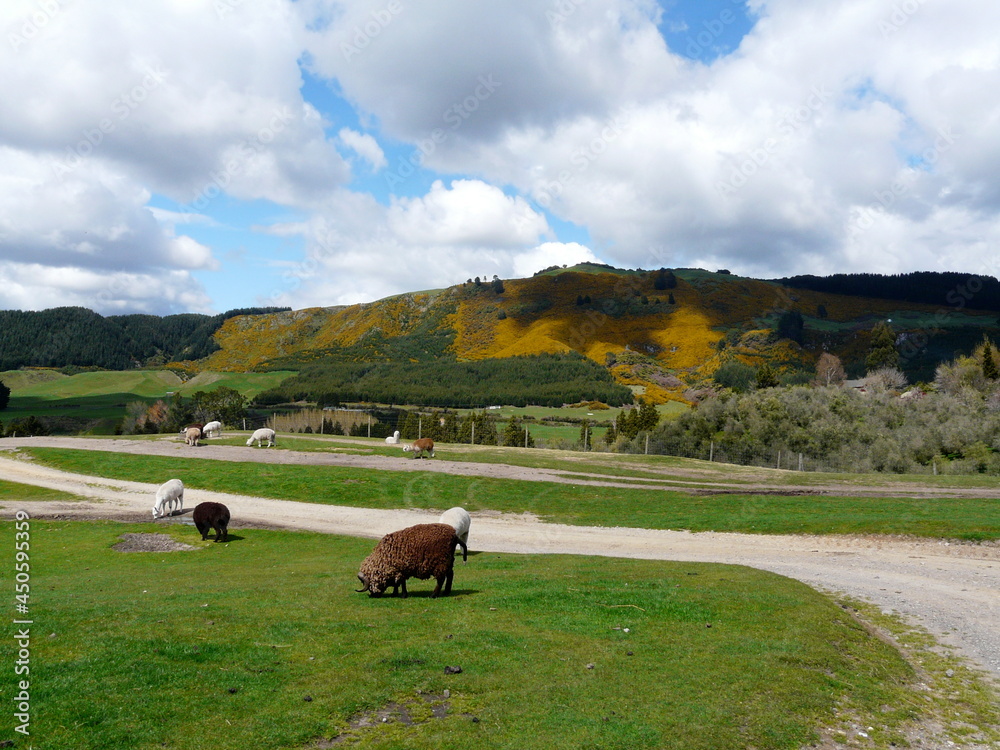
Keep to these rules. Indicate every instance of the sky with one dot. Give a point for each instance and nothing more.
(205, 155)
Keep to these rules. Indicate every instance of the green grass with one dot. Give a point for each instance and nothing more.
(956, 518)
(14, 492)
(104, 395)
(221, 647)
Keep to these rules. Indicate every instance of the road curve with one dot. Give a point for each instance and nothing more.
(952, 590)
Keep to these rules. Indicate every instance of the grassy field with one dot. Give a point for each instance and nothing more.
(958, 518)
(104, 395)
(262, 642)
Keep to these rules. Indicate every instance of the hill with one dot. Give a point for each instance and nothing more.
(660, 336)
(78, 337)
(659, 333)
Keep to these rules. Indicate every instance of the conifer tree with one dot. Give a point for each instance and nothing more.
(648, 417)
(990, 371)
(766, 377)
(882, 352)
(514, 435)
(4, 396)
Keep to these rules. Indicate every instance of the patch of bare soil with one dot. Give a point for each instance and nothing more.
(150, 543)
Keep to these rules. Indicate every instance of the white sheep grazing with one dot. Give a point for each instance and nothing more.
(170, 497)
(393, 439)
(264, 433)
(212, 429)
(458, 519)
(192, 435)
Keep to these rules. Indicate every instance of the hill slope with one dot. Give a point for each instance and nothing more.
(661, 340)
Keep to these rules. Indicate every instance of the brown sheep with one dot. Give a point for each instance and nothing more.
(420, 447)
(426, 550)
(208, 516)
(192, 435)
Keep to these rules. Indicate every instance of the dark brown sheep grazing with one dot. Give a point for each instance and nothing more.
(208, 516)
(426, 550)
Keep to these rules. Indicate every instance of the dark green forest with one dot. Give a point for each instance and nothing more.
(543, 380)
(78, 337)
(947, 289)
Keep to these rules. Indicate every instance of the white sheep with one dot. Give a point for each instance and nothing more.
(212, 429)
(393, 439)
(458, 519)
(169, 496)
(264, 433)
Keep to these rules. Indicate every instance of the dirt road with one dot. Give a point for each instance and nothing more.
(952, 590)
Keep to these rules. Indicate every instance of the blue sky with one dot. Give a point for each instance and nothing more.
(204, 155)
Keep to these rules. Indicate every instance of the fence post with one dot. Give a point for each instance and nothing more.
(473, 433)
(525, 437)
(711, 450)
(647, 444)
(800, 462)
(779, 460)
(369, 434)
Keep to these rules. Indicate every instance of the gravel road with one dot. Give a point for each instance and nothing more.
(950, 589)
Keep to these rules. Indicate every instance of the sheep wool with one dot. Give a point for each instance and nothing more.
(458, 518)
(210, 516)
(426, 550)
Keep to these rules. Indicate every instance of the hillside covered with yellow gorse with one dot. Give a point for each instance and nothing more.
(659, 341)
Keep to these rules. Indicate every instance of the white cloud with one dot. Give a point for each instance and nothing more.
(364, 146)
(359, 250)
(468, 214)
(181, 98)
(766, 161)
(85, 238)
(528, 262)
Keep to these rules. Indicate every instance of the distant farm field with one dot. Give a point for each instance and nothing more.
(103, 395)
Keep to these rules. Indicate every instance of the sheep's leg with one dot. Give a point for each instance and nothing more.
(465, 551)
(437, 589)
(403, 584)
(449, 576)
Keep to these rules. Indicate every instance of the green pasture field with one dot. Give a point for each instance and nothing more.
(262, 642)
(673, 471)
(104, 395)
(14, 492)
(973, 519)
(504, 413)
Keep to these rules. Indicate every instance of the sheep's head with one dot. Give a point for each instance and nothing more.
(407, 448)
(250, 441)
(373, 586)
